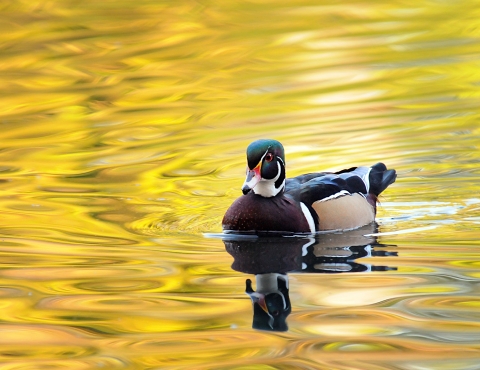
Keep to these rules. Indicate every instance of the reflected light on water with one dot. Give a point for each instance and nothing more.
(123, 128)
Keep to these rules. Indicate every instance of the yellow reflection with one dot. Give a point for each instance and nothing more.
(123, 129)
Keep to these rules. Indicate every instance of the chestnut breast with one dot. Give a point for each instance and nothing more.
(253, 212)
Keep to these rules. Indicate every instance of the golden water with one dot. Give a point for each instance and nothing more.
(123, 127)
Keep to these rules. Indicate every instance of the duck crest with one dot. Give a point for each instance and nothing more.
(265, 168)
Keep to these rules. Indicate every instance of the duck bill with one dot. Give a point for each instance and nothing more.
(253, 177)
(259, 299)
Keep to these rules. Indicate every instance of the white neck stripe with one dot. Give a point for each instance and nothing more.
(266, 188)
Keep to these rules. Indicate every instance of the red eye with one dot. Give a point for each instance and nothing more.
(269, 157)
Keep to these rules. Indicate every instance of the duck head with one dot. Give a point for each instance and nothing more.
(265, 168)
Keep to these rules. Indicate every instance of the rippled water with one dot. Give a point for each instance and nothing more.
(123, 131)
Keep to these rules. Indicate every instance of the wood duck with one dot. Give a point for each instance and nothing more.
(308, 203)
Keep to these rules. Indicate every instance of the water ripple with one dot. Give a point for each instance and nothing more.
(124, 126)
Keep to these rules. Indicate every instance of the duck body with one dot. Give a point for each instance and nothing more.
(308, 203)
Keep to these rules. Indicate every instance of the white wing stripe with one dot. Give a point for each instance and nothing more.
(341, 193)
(366, 179)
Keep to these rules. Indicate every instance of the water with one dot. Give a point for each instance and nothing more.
(123, 128)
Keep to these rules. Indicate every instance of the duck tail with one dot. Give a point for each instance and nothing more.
(380, 178)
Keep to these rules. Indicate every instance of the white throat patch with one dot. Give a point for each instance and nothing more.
(266, 188)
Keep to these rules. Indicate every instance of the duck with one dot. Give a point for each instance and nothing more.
(306, 204)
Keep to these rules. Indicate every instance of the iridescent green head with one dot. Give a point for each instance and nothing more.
(265, 168)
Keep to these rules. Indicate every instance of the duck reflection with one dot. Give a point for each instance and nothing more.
(270, 259)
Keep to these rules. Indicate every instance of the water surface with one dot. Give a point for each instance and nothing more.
(123, 131)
